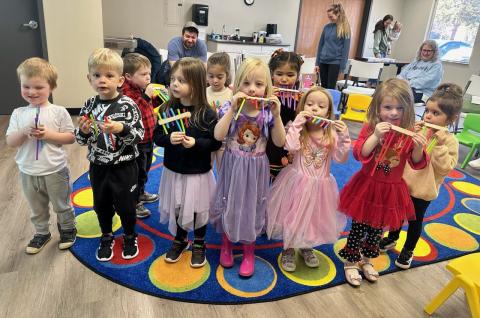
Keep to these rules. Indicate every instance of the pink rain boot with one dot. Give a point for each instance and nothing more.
(226, 255)
(248, 263)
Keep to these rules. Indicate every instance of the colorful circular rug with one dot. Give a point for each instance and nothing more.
(451, 229)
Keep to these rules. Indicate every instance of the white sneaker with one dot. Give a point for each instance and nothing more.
(475, 164)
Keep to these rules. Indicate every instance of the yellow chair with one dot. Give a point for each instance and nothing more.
(357, 106)
(466, 271)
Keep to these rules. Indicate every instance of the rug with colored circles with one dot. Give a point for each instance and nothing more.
(451, 229)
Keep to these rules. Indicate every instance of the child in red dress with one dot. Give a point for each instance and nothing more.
(377, 197)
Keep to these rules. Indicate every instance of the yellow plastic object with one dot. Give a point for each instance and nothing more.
(466, 271)
(357, 106)
(163, 97)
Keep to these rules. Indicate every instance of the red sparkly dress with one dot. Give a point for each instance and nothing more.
(377, 195)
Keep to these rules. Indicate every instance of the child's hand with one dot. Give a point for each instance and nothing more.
(419, 141)
(149, 90)
(177, 137)
(41, 132)
(84, 124)
(340, 127)
(441, 136)
(275, 106)
(188, 142)
(305, 114)
(112, 126)
(418, 126)
(381, 129)
(237, 100)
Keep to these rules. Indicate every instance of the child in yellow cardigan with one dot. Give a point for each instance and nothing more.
(442, 109)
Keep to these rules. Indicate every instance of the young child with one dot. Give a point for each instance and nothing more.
(39, 130)
(136, 70)
(218, 77)
(243, 180)
(285, 70)
(302, 207)
(110, 124)
(377, 196)
(442, 109)
(187, 183)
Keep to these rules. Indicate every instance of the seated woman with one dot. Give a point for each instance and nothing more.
(425, 73)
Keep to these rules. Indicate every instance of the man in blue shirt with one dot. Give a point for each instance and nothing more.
(187, 45)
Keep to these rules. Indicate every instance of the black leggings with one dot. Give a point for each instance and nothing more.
(414, 227)
(362, 240)
(199, 233)
(329, 75)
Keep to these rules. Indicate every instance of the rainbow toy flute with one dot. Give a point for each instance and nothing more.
(288, 96)
(166, 121)
(432, 140)
(323, 122)
(258, 102)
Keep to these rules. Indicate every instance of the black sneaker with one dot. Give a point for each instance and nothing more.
(404, 260)
(105, 250)
(130, 246)
(198, 255)
(175, 252)
(37, 243)
(386, 244)
(148, 197)
(67, 237)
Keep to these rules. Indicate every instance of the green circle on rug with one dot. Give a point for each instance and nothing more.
(317, 276)
(451, 237)
(177, 277)
(469, 222)
(88, 227)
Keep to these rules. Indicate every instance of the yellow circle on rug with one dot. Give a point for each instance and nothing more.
(88, 227)
(422, 248)
(261, 283)
(83, 198)
(451, 237)
(381, 263)
(177, 277)
(467, 187)
(469, 222)
(316, 276)
(158, 151)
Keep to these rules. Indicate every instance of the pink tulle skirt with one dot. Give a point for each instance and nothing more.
(302, 210)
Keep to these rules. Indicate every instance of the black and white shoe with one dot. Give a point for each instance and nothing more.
(386, 244)
(404, 260)
(105, 250)
(199, 257)
(148, 197)
(130, 246)
(175, 252)
(37, 243)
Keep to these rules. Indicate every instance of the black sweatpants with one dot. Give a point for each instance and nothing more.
(329, 75)
(414, 227)
(144, 161)
(362, 240)
(114, 189)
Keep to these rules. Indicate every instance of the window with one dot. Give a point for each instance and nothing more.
(454, 28)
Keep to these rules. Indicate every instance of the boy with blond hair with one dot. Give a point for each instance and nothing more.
(110, 125)
(137, 71)
(39, 130)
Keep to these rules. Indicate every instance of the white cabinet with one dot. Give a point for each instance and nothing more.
(242, 48)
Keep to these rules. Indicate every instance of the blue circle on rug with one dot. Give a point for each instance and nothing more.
(261, 283)
(472, 204)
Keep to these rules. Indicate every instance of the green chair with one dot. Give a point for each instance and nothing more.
(470, 135)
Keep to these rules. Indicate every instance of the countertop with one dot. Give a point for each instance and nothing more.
(246, 42)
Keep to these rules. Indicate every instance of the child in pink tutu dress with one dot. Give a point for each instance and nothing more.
(302, 207)
(377, 197)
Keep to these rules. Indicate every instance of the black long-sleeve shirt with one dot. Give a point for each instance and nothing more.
(193, 160)
(108, 149)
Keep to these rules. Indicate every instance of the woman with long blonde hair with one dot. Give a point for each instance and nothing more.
(333, 48)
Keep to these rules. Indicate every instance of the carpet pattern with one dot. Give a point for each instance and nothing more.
(451, 229)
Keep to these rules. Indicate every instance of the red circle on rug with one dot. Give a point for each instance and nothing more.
(145, 251)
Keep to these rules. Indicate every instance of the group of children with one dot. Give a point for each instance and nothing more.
(272, 144)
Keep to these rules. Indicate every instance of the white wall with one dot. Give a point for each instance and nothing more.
(73, 30)
(147, 19)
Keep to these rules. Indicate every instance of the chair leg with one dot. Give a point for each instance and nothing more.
(468, 157)
(473, 298)
(446, 292)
